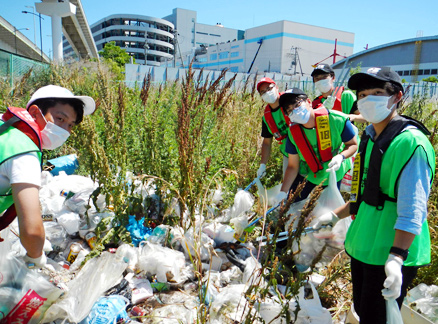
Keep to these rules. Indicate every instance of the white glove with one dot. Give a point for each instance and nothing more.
(394, 277)
(40, 262)
(279, 198)
(329, 102)
(335, 163)
(261, 171)
(325, 219)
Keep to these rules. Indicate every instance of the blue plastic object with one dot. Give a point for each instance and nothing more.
(66, 163)
(107, 310)
(138, 231)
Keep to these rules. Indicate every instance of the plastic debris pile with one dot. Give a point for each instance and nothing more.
(167, 275)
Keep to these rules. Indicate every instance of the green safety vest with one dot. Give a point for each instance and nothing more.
(337, 122)
(371, 234)
(282, 127)
(13, 142)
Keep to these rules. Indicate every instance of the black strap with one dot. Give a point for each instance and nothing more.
(372, 185)
(8, 124)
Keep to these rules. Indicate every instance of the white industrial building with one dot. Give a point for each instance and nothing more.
(283, 47)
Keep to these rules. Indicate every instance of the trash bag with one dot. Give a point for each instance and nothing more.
(311, 310)
(163, 262)
(393, 314)
(243, 202)
(97, 276)
(25, 294)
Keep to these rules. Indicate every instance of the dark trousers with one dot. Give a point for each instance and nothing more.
(307, 188)
(367, 281)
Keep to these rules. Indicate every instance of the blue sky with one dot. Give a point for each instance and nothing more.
(373, 22)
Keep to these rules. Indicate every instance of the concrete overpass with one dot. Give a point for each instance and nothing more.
(14, 41)
(74, 27)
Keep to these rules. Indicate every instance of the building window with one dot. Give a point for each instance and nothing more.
(201, 59)
(201, 33)
(420, 72)
(427, 72)
(235, 46)
(215, 35)
(234, 54)
(213, 57)
(406, 73)
(400, 73)
(234, 69)
(223, 55)
(434, 71)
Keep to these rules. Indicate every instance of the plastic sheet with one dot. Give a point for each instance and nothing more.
(96, 277)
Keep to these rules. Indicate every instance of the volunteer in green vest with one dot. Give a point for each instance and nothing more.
(51, 114)
(393, 172)
(337, 99)
(274, 124)
(318, 140)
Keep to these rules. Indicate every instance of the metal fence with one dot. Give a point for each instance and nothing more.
(135, 74)
(13, 67)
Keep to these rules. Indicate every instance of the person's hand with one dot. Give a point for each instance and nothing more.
(279, 198)
(335, 163)
(40, 262)
(261, 171)
(394, 277)
(329, 102)
(329, 218)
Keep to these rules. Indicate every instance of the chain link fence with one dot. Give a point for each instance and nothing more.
(13, 67)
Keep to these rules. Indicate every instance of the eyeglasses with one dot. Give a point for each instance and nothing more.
(297, 103)
(294, 106)
(269, 88)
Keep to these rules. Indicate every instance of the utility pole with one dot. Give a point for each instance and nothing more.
(41, 34)
(34, 29)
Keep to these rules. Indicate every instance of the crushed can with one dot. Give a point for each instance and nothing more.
(75, 248)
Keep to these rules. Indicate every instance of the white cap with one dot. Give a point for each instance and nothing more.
(53, 91)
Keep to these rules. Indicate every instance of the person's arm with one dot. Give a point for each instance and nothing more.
(350, 148)
(291, 173)
(266, 150)
(357, 117)
(27, 205)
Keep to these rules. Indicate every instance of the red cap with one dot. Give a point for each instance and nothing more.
(264, 80)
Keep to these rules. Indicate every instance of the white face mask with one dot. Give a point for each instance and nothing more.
(53, 136)
(300, 115)
(270, 96)
(324, 85)
(374, 108)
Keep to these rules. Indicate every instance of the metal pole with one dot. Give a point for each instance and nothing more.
(34, 29)
(41, 39)
(15, 35)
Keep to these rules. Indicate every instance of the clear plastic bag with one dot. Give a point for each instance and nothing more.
(393, 314)
(96, 277)
(25, 294)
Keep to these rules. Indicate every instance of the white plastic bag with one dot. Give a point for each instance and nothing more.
(311, 309)
(163, 262)
(393, 314)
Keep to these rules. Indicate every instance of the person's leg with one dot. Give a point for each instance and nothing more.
(367, 292)
(409, 274)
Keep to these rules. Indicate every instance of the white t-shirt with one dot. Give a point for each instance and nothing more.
(24, 168)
